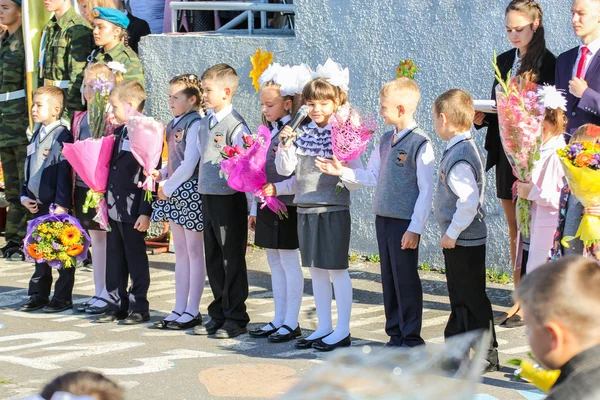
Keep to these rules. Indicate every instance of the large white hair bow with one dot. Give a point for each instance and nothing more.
(291, 80)
(269, 74)
(552, 98)
(334, 74)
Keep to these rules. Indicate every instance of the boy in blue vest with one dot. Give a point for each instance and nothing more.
(401, 163)
(225, 210)
(458, 209)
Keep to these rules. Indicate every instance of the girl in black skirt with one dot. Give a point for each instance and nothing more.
(529, 55)
(279, 236)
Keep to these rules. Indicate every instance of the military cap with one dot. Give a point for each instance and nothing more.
(112, 15)
(17, 1)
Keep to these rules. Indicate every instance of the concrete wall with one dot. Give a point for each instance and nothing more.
(451, 41)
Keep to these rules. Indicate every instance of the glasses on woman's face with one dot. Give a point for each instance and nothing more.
(517, 29)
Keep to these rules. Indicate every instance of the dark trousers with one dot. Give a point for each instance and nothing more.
(41, 281)
(126, 258)
(225, 240)
(470, 307)
(402, 291)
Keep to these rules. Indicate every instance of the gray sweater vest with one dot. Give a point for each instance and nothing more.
(445, 199)
(271, 170)
(397, 190)
(211, 179)
(176, 141)
(47, 152)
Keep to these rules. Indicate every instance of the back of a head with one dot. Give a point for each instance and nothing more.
(95, 69)
(404, 87)
(54, 94)
(223, 75)
(80, 383)
(130, 91)
(586, 133)
(564, 291)
(458, 107)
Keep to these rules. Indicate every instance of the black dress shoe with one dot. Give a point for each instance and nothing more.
(285, 337)
(304, 343)
(259, 333)
(111, 316)
(230, 330)
(82, 306)
(8, 249)
(34, 303)
(320, 345)
(178, 326)
(162, 324)
(514, 322)
(15, 255)
(210, 328)
(137, 318)
(96, 310)
(500, 318)
(58, 306)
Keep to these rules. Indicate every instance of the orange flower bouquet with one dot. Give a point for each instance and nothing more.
(57, 239)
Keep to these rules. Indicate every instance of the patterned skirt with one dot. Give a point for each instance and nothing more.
(184, 207)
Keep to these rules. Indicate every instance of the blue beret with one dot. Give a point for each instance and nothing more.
(17, 1)
(113, 15)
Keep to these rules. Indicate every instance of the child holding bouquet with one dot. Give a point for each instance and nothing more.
(129, 219)
(279, 236)
(180, 204)
(323, 215)
(101, 76)
(48, 189)
(544, 188)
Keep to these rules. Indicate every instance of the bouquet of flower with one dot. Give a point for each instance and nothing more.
(57, 239)
(581, 162)
(541, 378)
(246, 169)
(406, 68)
(520, 117)
(98, 107)
(350, 134)
(146, 136)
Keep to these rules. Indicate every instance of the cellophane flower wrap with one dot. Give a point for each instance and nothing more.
(98, 106)
(350, 135)
(57, 239)
(581, 162)
(246, 170)
(540, 377)
(146, 138)
(90, 159)
(520, 117)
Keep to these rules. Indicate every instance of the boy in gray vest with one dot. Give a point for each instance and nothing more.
(48, 182)
(401, 167)
(458, 209)
(225, 210)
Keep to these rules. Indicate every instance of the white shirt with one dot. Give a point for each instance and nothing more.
(425, 170)
(236, 136)
(593, 47)
(462, 182)
(191, 158)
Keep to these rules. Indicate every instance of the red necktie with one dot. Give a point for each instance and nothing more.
(584, 53)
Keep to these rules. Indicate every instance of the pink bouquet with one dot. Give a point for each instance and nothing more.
(90, 159)
(520, 117)
(350, 135)
(246, 170)
(146, 137)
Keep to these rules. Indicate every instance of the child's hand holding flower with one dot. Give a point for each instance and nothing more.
(269, 190)
(155, 174)
(593, 210)
(331, 167)
(523, 189)
(59, 210)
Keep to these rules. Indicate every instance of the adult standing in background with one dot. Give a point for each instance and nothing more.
(525, 31)
(86, 7)
(137, 27)
(13, 124)
(577, 69)
(66, 44)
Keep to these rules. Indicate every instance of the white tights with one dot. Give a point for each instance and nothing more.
(190, 272)
(98, 241)
(342, 286)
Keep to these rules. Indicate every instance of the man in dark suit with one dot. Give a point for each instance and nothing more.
(136, 29)
(578, 69)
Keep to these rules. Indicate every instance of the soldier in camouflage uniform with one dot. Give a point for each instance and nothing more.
(110, 29)
(13, 124)
(66, 43)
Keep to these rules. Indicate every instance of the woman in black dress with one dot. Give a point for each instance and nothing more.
(529, 55)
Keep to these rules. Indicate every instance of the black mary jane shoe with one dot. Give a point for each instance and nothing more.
(81, 307)
(259, 333)
(162, 324)
(285, 337)
(178, 326)
(320, 345)
(304, 343)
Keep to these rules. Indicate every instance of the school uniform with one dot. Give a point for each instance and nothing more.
(126, 256)
(48, 181)
(462, 176)
(225, 221)
(402, 162)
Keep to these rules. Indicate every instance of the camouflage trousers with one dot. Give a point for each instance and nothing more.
(13, 164)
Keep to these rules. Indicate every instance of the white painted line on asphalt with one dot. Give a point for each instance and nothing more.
(515, 350)
(429, 322)
(131, 328)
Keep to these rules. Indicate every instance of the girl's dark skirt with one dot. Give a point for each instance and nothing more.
(275, 233)
(324, 239)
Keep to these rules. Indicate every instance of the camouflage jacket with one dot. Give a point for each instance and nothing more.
(126, 56)
(13, 113)
(68, 43)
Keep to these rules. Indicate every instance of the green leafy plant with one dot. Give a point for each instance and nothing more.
(426, 267)
(373, 258)
(353, 257)
(497, 276)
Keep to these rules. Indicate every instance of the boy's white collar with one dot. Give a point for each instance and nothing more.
(458, 138)
(223, 113)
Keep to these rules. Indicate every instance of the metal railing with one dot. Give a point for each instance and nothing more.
(247, 15)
